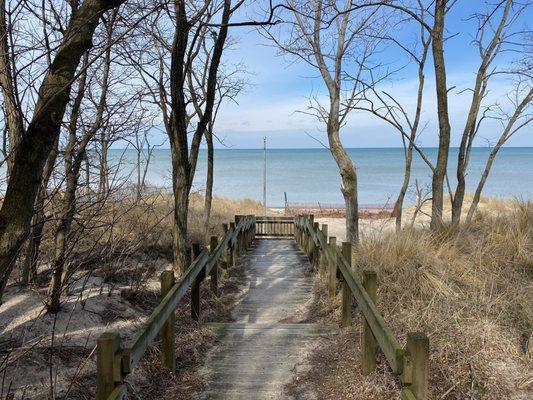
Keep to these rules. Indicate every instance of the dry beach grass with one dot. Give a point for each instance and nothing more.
(114, 286)
(470, 291)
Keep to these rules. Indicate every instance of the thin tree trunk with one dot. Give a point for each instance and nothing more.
(398, 206)
(13, 113)
(469, 132)
(506, 134)
(414, 129)
(103, 186)
(73, 163)
(29, 266)
(209, 180)
(347, 171)
(72, 166)
(437, 36)
(182, 171)
(31, 155)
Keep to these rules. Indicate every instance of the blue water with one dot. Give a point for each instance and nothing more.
(311, 175)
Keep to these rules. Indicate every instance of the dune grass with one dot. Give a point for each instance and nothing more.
(469, 291)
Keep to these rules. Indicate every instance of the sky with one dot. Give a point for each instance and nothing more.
(279, 88)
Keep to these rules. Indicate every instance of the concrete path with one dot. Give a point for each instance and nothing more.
(258, 353)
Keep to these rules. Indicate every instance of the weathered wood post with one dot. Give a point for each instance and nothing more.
(246, 238)
(323, 262)
(107, 349)
(238, 242)
(247, 235)
(346, 319)
(310, 242)
(332, 278)
(225, 256)
(418, 349)
(369, 341)
(251, 231)
(296, 231)
(214, 271)
(316, 253)
(233, 249)
(195, 287)
(168, 351)
(305, 238)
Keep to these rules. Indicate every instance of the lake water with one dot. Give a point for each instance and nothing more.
(311, 175)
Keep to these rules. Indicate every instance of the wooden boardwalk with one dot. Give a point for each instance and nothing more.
(258, 353)
(262, 349)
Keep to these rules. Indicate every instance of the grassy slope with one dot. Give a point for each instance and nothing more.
(471, 292)
(116, 264)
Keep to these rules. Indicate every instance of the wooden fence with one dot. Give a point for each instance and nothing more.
(115, 362)
(409, 363)
(274, 226)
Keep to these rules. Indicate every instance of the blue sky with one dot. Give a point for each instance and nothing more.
(279, 87)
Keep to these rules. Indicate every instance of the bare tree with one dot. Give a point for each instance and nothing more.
(164, 64)
(74, 156)
(511, 123)
(42, 131)
(495, 29)
(14, 118)
(495, 35)
(229, 85)
(331, 38)
(385, 106)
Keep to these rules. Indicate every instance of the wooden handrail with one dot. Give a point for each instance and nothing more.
(275, 226)
(136, 348)
(411, 367)
(115, 363)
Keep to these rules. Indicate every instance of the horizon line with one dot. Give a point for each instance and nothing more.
(325, 148)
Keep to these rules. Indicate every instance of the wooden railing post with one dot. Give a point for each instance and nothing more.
(332, 278)
(168, 351)
(252, 238)
(304, 234)
(308, 236)
(214, 271)
(238, 241)
(108, 367)
(224, 257)
(346, 318)
(323, 263)
(233, 248)
(250, 232)
(245, 239)
(316, 249)
(369, 341)
(195, 287)
(418, 351)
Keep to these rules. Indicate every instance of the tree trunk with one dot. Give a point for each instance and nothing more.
(75, 153)
(508, 131)
(29, 266)
(347, 171)
(35, 147)
(181, 251)
(398, 206)
(439, 173)
(73, 164)
(209, 180)
(13, 114)
(103, 186)
(182, 171)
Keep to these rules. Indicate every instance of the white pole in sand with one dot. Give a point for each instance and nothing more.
(265, 176)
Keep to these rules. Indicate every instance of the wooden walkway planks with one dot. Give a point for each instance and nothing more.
(258, 353)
